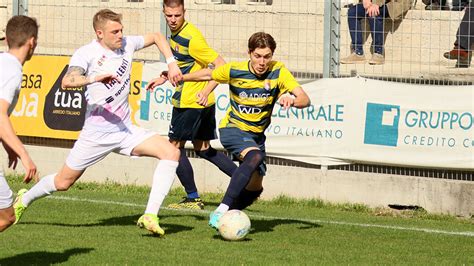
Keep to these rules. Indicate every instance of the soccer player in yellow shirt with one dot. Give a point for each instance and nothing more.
(255, 86)
(191, 121)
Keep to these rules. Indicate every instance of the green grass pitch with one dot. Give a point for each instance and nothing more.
(94, 224)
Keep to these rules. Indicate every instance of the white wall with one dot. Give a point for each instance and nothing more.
(435, 195)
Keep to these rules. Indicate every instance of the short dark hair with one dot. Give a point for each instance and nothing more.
(20, 29)
(261, 40)
(101, 17)
(173, 3)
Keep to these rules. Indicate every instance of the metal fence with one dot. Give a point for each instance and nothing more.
(311, 35)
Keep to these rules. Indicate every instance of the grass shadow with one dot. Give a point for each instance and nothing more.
(246, 239)
(113, 221)
(216, 204)
(129, 220)
(213, 204)
(270, 224)
(43, 257)
(169, 229)
(197, 217)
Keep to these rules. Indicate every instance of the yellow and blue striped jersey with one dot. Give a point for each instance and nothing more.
(192, 53)
(252, 97)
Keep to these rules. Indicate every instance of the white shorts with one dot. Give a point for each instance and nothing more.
(92, 146)
(6, 194)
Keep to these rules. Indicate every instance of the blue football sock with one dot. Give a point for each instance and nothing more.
(219, 159)
(242, 175)
(185, 173)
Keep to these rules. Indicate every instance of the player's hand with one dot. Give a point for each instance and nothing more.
(367, 4)
(107, 78)
(157, 81)
(202, 97)
(373, 11)
(174, 74)
(30, 169)
(286, 101)
(12, 156)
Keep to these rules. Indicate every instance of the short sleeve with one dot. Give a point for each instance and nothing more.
(222, 73)
(286, 81)
(134, 43)
(200, 50)
(79, 59)
(9, 88)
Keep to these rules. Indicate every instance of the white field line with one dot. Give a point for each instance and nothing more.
(391, 227)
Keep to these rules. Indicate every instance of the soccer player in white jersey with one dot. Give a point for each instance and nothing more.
(21, 36)
(104, 66)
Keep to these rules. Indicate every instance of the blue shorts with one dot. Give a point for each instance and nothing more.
(236, 140)
(193, 124)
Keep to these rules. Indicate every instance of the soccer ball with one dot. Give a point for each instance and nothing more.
(234, 225)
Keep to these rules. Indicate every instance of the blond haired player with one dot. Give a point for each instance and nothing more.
(104, 66)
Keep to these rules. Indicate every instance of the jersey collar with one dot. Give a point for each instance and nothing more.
(180, 29)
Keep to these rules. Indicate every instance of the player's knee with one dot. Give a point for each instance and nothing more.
(169, 152)
(4, 226)
(246, 198)
(7, 222)
(174, 154)
(254, 157)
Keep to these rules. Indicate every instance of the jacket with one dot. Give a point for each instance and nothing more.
(396, 8)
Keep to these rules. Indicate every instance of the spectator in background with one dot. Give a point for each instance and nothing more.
(462, 51)
(435, 5)
(459, 5)
(375, 11)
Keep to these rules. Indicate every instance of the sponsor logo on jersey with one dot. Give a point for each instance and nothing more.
(244, 109)
(101, 60)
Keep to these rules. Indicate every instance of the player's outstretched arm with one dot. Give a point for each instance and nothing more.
(203, 95)
(157, 81)
(13, 145)
(174, 73)
(76, 77)
(301, 98)
(200, 75)
(298, 99)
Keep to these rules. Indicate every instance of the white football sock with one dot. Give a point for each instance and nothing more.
(162, 180)
(222, 208)
(42, 189)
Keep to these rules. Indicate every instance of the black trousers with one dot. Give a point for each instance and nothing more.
(465, 33)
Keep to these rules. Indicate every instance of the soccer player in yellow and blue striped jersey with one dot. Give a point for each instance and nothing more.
(191, 121)
(255, 86)
(252, 97)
